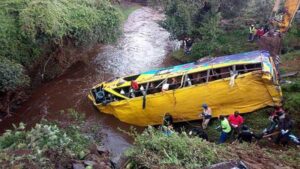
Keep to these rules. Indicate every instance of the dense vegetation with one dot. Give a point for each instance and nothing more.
(153, 149)
(218, 27)
(30, 28)
(48, 144)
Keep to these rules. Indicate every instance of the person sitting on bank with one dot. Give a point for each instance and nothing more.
(236, 121)
(225, 129)
(167, 124)
(168, 120)
(274, 118)
(206, 115)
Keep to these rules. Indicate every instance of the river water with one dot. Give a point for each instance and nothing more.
(143, 46)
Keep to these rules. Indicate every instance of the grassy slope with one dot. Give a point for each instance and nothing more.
(237, 40)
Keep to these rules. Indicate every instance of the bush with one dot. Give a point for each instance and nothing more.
(154, 149)
(292, 102)
(30, 27)
(293, 87)
(11, 75)
(49, 143)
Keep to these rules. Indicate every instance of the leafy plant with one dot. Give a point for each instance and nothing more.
(11, 75)
(154, 149)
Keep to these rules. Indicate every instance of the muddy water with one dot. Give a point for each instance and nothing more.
(143, 46)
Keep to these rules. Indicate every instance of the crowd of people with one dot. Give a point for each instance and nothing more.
(257, 33)
(233, 126)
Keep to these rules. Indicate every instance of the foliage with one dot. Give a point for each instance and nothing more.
(210, 33)
(11, 75)
(45, 140)
(154, 149)
(291, 38)
(29, 28)
(292, 96)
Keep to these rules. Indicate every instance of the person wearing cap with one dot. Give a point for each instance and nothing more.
(206, 115)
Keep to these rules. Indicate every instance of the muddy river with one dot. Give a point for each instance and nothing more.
(143, 46)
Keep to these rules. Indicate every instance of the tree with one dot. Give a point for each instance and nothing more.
(210, 33)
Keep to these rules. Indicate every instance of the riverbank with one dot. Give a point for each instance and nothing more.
(143, 46)
(50, 62)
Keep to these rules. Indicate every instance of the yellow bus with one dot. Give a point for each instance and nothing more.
(241, 82)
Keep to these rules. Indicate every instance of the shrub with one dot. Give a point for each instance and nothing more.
(293, 87)
(43, 141)
(292, 103)
(154, 149)
(11, 75)
(30, 27)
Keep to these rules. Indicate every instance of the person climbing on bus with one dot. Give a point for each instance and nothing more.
(206, 115)
(236, 121)
(225, 129)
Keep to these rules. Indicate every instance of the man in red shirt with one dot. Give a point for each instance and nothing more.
(236, 121)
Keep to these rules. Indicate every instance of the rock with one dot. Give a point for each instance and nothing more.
(89, 163)
(101, 149)
(78, 166)
(102, 164)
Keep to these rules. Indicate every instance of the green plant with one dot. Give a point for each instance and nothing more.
(29, 28)
(12, 75)
(41, 140)
(154, 149)
(210, 33)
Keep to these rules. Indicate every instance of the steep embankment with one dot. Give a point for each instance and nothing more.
(41, 39)
(143, 46)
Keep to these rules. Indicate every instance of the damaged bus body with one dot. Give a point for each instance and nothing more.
(242, 82)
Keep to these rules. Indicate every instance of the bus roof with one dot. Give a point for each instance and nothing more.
(258, 56)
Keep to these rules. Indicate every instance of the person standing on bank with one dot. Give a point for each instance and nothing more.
(225, 129)
(206, 115)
